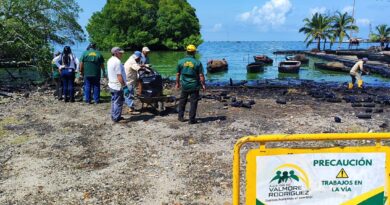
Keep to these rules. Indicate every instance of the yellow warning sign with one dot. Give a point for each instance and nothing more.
(342, 174)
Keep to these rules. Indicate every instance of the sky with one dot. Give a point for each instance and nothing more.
(268, 20)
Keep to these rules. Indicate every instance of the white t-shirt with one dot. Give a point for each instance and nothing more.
(114, 68)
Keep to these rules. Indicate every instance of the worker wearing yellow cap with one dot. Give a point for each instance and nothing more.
(190, 79)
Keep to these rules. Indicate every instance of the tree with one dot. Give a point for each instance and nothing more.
(342, 23)
(163, 24)
(28, 28)
(383, 35)
(177, 24)
(316, 28)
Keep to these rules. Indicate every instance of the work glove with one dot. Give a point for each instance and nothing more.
(126, 91)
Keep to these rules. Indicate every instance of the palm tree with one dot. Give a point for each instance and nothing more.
(341, 24)
(316, 28)
(383, 34)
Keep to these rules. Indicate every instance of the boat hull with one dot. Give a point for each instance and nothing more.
(255, 67)
(289, 67)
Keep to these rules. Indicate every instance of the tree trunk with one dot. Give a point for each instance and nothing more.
(319, 44)
(324, 44)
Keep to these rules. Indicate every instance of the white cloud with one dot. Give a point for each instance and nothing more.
(272, 13)
(217, 27)
(320, 10)
(363, 22)
(347, 9)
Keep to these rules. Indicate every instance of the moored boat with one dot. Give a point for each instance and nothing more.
(263, 58)
(299, 57)
(255, 67)
(289, 66)
(332, 66)
(214, 66)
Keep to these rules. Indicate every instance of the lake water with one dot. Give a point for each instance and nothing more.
(239, 54)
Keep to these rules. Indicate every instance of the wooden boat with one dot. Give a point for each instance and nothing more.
(299, 57)
(289, 66)
(263, 58)
(255, 67)
(214, 66)
(333, 66)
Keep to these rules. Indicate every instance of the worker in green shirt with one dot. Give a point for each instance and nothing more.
(91, 62)
(190, 79)
(56, 77)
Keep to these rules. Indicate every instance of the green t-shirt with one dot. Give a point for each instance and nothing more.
(92, 61)
(56, 73)
(189, 69)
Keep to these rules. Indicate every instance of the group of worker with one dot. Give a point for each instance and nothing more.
(123, 78)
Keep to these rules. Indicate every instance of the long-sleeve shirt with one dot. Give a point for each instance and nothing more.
(132, 68)
(358, 66)
(73, 65)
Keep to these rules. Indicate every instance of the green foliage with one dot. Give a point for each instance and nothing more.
(323, 27)
(28, 28)
(382, 35)
(131, 24)
(342, 23)
(317, 28)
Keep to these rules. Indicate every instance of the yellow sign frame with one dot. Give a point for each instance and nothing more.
(262, 140)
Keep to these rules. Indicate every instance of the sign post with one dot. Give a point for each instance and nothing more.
(340, 175)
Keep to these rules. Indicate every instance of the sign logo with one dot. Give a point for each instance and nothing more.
(290, 182)
(288, 173)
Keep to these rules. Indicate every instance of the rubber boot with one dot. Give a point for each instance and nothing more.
(360, 84)
(350, 86)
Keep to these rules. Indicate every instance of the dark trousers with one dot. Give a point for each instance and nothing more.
(116, 104)
(58, 83)
(92, 83)
(194, 98)
(68, 84)
(353, 79)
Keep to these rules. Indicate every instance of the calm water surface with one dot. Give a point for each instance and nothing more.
(239, 54)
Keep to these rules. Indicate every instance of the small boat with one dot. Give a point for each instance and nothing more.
(263, 58)
(255, 67)
(289, 66)
(299, 57)
(332, 66)
(214, 66)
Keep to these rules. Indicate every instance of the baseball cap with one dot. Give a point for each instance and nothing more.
(191, 48)
(137, 54)
(365, 59)
(117, 50)
(145, 49)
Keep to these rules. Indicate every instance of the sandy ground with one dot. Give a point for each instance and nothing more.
(57, 153)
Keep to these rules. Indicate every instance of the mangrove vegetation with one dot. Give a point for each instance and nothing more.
(131, 24)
